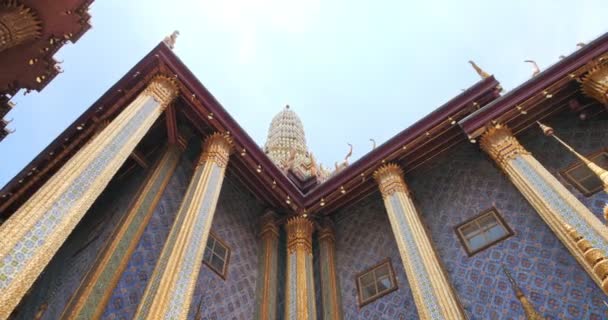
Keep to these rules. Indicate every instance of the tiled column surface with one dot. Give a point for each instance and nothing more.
(266, 291)
(35, 231)
(553, 202)
(300, 291)
(432, 292)
(169, 292)
(330, 293)
(90, 299)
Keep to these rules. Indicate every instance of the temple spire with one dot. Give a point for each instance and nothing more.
(597, 170)
(531, 313)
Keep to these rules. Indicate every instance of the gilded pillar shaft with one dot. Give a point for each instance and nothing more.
(553, 202)
(91, 298)
(169, 291)
(330, 292)
(266, 291)
(300, 290)
(432, 292)
(33, 234)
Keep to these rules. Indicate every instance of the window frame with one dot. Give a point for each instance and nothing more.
(392, 277)
(565, 173)
(224, 273)
(499, 219)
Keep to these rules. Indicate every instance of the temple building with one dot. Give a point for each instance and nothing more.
(156, 204)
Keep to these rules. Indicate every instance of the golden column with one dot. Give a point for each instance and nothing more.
(432, 292)
(553, 202)
(34, 233)
(330, 293)
(266, 291)
(18, 24)
(91, 298)
(300, 290)
(169, 291)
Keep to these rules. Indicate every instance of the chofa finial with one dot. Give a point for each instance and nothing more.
(535, 68)
(479, 71)
(170, 39)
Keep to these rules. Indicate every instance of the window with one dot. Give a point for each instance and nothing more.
(584, 179)
(483, 231)
(376, 282)
(217, 255)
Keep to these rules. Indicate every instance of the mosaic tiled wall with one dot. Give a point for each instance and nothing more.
(235, 222)
(585, 136)
(65, 271)
(363, 239)
(130, 288)
(462, 184)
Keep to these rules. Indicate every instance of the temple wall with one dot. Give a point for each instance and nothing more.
(130, 288)
(64, 272)
(460, 185)
(584, 136)
(364, 239)
(236, 224)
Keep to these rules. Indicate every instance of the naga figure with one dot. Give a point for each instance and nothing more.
(479, 71)
(344, 163)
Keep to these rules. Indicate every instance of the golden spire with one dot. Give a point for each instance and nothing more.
(531, 313)
(599, 171)
(479, 71)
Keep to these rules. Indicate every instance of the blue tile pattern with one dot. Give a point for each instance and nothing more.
(458, 186)
(364, 238)
(130, 288)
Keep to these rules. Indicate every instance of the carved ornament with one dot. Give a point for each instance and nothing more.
(163, 88)
(216, 148)
(390, 179)
(595, 82)
(299, 235)
(498, 141)
(18, 24)
(594, 257)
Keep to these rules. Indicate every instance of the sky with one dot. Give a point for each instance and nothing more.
(352, 70)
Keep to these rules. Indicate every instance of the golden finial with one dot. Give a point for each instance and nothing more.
(170, 39)
(535, 68)
(531, 313)
(599, 171)
(479, 71)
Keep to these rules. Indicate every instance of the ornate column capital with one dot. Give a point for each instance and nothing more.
(595, 83)
(216, 148)
(299, 235)
(390, 179)
(327, 231)
(163, 89)
(498, 142)
(268, 225)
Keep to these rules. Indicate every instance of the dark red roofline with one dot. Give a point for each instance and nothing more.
(537, 84)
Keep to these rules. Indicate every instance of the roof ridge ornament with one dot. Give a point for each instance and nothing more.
(171, 39)
(535, 68)
(479, 71)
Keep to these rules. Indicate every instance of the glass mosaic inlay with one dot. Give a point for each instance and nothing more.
(414, 259)
(558, 204)
(36, 237)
